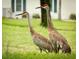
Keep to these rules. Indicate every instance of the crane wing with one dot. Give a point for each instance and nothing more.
(41, 41)
(57, 36)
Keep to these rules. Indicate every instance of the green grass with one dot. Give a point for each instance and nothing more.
(20, 44)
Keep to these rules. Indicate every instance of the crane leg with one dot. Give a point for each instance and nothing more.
(56, 47)
(40, 49)
(43, 50)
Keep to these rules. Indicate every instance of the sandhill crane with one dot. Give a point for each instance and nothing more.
(42, 42)
(56, 38)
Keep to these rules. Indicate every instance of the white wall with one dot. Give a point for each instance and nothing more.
(55, 15)
(6, 3)
(6, 6)
(31, 5)
(68, 7)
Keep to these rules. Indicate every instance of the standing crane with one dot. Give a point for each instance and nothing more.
(56, 38)
(42, 42)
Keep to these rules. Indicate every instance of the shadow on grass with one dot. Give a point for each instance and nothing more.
(65, 29)
(20, 25)
(37, 55)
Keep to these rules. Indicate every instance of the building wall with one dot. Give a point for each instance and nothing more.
(68, 7)
(6, 6)
(31, 5)
(6, 3)
(55, 15)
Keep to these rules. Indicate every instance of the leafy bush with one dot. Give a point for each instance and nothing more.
(73, 17)
(36, 16)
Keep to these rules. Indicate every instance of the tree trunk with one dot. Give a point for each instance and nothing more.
(43, 12)
(59, 16)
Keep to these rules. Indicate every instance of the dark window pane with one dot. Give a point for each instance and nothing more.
(55, 5)
(24, 5)
(18, 5)
(52, 4)
(12, 5)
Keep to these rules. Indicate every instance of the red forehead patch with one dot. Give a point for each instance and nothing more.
(45, 4)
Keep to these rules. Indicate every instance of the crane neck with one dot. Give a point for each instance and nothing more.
(30, 26)
(50, 25)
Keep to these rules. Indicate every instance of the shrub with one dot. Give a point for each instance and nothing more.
(36, 16)
(73, 17)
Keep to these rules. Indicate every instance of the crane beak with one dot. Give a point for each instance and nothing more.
(18, 14)
(39, 7)
(23, 13)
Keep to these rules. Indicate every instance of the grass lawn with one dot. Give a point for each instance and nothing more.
(20, 44)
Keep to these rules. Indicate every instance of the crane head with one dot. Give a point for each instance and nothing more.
(44, 6)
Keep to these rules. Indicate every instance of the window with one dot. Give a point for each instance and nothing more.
(24, 5)
(54, 6)
(18, 5)
(12, 5)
